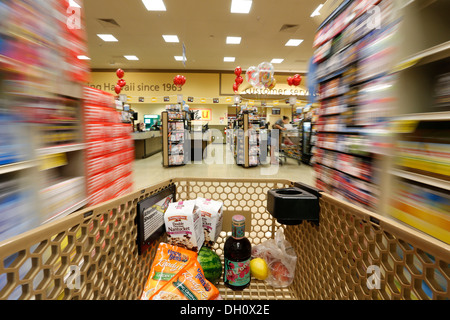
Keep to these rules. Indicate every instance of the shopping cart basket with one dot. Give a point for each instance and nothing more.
(334, 256)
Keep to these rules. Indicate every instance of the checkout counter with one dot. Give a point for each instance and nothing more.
(147, 143)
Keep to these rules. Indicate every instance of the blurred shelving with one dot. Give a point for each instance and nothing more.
(41, 88)
(17, 166)
(390, 86)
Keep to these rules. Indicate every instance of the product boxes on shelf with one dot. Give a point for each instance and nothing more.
(15, 208)
(110, 148)
(61, 195)
(423, 208)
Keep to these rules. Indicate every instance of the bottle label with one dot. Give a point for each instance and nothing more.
(237, 273)
(238, 232)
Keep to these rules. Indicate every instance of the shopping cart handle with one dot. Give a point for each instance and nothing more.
(310, 189)
(292, 206)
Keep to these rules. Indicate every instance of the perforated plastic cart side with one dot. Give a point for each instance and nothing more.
(93, 254)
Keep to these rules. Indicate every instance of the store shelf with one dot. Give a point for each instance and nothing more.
(429, 116)
(18, 166)
(333, 74)
(68, 211)
(331, 96)
(69, 89)
(61, 149)
(435, 182)
(430, 55)
(367, 155)
(345, 172)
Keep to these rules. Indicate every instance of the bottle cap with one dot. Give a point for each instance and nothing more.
(238, 227)
(238, 220)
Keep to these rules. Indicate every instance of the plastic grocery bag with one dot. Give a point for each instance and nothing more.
(280, 258)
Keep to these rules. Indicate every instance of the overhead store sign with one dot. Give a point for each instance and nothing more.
(201, 87)
(277, 92)
(202, 114)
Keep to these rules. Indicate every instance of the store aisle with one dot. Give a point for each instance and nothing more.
(150, 171)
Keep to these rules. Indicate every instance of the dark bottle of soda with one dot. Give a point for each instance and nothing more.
(237, 254)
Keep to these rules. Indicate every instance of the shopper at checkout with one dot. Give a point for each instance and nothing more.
(279, 125)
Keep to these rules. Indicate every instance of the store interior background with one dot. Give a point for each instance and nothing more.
(53, 178)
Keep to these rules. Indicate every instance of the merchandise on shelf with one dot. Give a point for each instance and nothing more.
(39, 45)
(332, 88)
(248, 138)
(346, 187)
(176, 126)
(426, 150)
(352, 144)
(15, 208)
(331, 124)
(333, 106)
(110, 148)
(422, 207)
(61, 194)
(442, 92)
(352, 165)
(15, 146)
(355, 10)
(40, 117)
(59, 123)
(356, 92)
(175, 139)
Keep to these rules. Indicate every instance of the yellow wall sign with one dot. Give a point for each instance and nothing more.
(152, 87)
(202, 114)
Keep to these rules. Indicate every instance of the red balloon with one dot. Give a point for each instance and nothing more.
(289, 80)
(239, 80)
(235, 87)
(238, 71)
(118, 89)
(297, 80)
(122, 83)
(120, 73)
(176, 80)
(179, 80)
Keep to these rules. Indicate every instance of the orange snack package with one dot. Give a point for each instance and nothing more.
(189, 284)
(169, 261)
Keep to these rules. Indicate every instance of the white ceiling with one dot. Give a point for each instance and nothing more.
(202, 25)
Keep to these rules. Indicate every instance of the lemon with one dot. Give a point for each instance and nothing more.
(259, 269)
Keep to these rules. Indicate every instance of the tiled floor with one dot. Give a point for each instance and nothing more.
(150, 171)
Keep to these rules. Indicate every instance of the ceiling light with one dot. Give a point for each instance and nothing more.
(107, 37)
(316, 12)
(180, 58)
(229, 59)
(241, 6)
(131, 58)
(277, 60)
(170, 38)
(233, 40)
(73, 4)
(293, 42)
(154, 5)
(83, 58)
